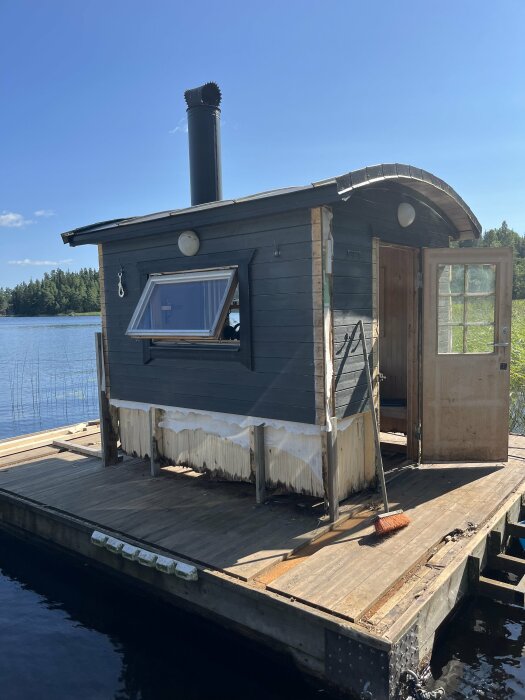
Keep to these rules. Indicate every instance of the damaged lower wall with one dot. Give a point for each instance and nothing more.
(219, 443)
(355, 454)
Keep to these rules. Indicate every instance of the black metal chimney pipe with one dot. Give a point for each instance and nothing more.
(204, 142)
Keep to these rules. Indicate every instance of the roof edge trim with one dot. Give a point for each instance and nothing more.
(421, 181)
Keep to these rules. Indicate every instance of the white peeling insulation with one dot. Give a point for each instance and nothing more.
(134, 430)
(220, 443)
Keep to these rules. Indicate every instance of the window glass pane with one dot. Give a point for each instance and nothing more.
(451, 279)
(187, 305)
(450, 339)
(232, 325)
(481, 279)
(480, 309)
(480, 338)
(184, 306)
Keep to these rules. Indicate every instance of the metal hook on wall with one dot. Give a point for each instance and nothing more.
(121, 290)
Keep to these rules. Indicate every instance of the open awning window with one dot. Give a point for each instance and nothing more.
(185, 305)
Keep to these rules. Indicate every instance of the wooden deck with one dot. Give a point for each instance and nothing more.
(345, 570)
(283, 548)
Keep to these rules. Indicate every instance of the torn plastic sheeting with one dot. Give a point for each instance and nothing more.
(239, 421)
(301, 444)
(236, 434)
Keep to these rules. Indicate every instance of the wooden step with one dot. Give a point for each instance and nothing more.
(85, 450)
(504, 592)
(508, 563)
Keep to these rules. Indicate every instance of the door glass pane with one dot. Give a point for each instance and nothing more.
(466, 308)
(451, 279)
(481, 278)
(450, 339)
(444, 310)
(457, 306)
(450, 309)
(479, 338)
(480, 309)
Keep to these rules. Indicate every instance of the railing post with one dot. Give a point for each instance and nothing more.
(333, 482)
(108, 433)
(154, 418)
(258, 461)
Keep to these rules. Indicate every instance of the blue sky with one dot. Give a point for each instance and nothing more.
(92, 111)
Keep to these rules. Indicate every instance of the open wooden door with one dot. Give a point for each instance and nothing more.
(467, 298)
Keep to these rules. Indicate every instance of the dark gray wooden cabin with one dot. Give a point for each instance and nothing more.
(310, 262)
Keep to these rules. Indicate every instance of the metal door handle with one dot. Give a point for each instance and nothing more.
(501, 345)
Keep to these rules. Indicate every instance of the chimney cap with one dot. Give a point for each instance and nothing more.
(207, 94)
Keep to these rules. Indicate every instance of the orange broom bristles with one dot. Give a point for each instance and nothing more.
(390, 522)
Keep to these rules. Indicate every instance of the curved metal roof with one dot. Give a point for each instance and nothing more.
(431, 187)
(434, 190)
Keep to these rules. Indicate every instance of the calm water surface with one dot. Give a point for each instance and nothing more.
(69, 632)
(47, 372)
(482, 653)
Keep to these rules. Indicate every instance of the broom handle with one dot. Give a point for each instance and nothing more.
(379, 460)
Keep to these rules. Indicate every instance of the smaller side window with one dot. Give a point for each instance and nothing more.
(201, 305)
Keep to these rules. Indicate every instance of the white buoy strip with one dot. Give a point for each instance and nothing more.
(166, 565)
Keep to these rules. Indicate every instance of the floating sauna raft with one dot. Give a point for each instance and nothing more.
(351, 610)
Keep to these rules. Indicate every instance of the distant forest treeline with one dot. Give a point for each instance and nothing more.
(505, 237)
(58, 292)
(78, 292)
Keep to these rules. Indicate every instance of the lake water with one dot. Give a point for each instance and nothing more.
(47, 372)
(67, 631)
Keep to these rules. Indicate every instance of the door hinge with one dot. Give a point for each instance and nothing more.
(419, 280)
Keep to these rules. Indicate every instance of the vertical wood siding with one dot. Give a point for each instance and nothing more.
(365, 216)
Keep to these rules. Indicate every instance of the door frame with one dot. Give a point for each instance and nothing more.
(413, 342)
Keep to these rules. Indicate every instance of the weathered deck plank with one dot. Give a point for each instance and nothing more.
(220, 526)
(349, 575)
(217, 524)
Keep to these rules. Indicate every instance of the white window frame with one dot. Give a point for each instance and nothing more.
(229, 273)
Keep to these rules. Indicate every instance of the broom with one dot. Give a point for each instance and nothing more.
(390, 520)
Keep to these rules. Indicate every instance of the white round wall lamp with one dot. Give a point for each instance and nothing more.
(405, 214)
(189, 243)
